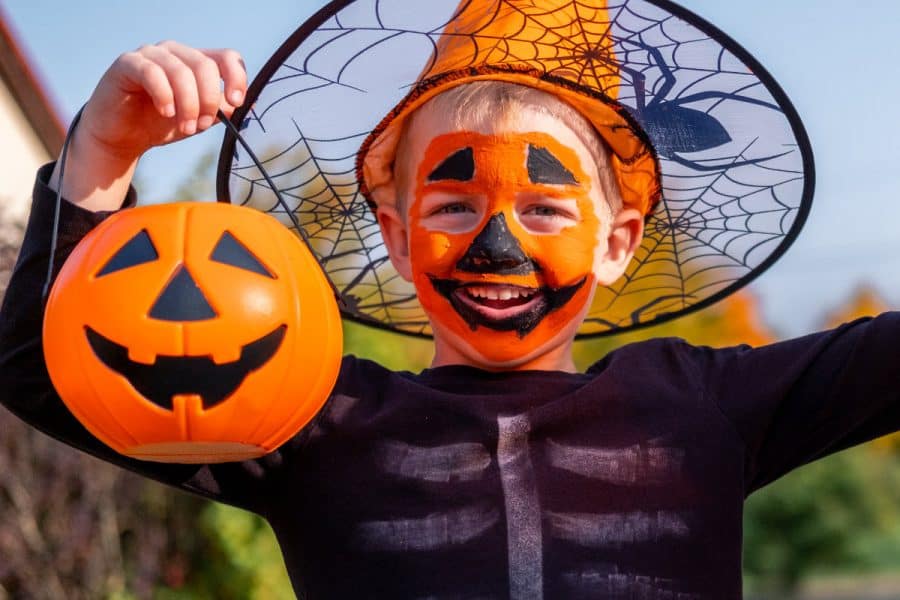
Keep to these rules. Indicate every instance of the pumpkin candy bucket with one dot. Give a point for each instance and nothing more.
(192, 332)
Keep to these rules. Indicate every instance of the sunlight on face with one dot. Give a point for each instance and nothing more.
(506, 222)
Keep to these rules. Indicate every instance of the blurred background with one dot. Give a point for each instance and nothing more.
(73, 527)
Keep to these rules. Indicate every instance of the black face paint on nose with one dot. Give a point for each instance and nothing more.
(496, 250)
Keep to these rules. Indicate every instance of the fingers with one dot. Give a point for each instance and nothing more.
(186, 84)
(142, 74)
(233, 73)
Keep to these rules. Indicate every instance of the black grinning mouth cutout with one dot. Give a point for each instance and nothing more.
(172, 375)
(546, 301)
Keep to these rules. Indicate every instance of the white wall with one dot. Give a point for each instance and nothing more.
(21, 153)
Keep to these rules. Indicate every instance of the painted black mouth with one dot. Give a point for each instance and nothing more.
(171, 375)
(546, 301)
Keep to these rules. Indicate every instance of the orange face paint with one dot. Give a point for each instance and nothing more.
(503, 232)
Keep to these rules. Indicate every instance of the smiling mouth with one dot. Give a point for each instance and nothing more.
(498, 301)
(169, 376)
(503, 307)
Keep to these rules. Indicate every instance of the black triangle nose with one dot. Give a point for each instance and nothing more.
(495, 250)
(182, 300)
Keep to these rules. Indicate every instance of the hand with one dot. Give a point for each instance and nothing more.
(149, 97)
(160, 94)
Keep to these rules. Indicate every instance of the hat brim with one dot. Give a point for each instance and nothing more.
(735, 162)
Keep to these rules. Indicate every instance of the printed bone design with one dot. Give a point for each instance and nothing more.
(638, 464)
(526, 521)
(440, 464)
(464, 462)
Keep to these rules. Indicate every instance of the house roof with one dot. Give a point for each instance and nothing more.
(23, 82)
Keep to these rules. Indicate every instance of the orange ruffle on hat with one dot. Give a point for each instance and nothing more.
(703, 140)
(586, 77)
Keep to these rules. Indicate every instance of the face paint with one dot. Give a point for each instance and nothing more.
(503, 231)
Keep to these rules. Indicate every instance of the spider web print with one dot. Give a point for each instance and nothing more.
(734, 186)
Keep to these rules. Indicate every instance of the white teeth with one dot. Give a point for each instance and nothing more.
(497, 292)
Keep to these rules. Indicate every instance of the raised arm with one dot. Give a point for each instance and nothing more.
(802, 399)
(156, 95)
(150, 97)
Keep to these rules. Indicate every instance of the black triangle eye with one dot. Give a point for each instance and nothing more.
(229, 251)
(137, 251)
(543, 167)
(459, 166)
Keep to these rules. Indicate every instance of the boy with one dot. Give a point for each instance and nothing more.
(500, 471)
(536, 220)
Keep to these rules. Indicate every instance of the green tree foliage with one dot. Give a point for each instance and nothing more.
(394, 351)
(239, 560)
(839, 515)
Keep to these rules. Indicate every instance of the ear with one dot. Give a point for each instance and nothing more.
(625, 237)
(396, 238)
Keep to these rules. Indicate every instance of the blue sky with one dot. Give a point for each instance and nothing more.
(838, 62)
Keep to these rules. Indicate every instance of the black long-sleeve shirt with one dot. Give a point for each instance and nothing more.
(627, 481)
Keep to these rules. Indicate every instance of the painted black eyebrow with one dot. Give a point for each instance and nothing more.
(459, 166)
(543, 167)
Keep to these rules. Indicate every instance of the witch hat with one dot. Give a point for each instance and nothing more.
(704, 142)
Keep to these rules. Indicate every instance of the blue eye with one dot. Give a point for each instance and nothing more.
(454, 209)
(545, 211)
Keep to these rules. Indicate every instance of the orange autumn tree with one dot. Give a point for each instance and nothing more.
(733, 321)
(865, 302)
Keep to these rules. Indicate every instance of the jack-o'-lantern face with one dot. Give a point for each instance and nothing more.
(182, 301)
(503, 232)
(169, 337)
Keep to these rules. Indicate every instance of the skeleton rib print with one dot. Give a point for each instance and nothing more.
(516, 460)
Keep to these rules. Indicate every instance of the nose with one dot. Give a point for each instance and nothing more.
(495, 250)
(182, 300)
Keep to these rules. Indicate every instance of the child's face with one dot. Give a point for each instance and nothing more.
(506, 235)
